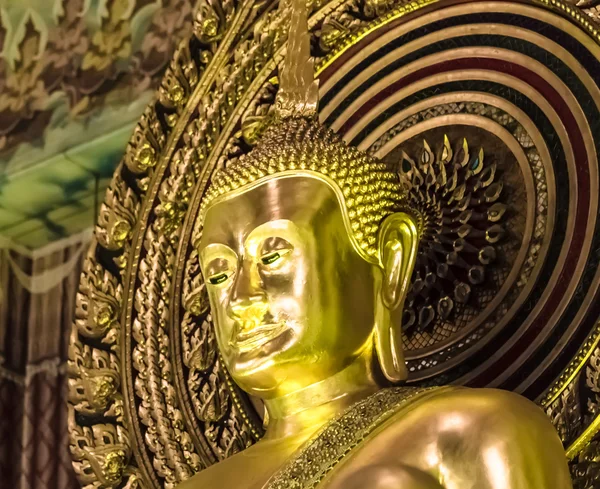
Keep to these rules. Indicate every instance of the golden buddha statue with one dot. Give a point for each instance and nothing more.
(308, 247)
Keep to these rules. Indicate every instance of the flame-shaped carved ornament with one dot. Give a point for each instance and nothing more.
(459, 196)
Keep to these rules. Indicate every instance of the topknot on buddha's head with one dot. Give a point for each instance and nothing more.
(371, 189)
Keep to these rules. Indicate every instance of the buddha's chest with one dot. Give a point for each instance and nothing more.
(339, 444)
(265, 473)
(347, 442)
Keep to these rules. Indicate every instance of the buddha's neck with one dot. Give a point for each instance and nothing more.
(309, 408)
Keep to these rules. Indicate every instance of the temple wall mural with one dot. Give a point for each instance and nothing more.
(292, 244)
(75, 77)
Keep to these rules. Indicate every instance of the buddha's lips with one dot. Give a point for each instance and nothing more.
(248, 339)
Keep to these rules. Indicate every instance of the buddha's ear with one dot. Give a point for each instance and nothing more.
(398, 243)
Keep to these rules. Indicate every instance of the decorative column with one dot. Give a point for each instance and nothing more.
(36, 313)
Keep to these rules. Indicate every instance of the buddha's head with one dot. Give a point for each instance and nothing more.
(307, 247)
(307, 250)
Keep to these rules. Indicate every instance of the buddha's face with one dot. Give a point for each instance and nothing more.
(292, 301)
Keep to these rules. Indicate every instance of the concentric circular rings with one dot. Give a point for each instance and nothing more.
(523, 82)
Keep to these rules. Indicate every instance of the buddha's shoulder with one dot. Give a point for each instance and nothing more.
(466, 434)
(466, 410)
(485, 399)
(486, 402)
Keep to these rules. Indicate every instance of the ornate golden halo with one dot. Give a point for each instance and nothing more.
(150, 401)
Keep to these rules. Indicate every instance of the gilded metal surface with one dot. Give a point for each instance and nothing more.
(518, 251)
(496, 466)
(270, 301)
(172, 408)
(539, 198)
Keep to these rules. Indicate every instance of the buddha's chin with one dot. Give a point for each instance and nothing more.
(255, 368)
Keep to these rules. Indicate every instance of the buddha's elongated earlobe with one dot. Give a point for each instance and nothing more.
(398, 243)
(388, 344)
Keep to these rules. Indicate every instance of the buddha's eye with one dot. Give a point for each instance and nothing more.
(219, 263)
(273, 250)
(270, 258)
(273, 257)
(218, 278)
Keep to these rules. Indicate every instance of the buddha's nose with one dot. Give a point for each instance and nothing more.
(247, 300)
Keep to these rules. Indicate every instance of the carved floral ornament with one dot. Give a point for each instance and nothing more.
(151, 404)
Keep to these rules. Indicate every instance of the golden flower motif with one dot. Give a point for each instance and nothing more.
(114, 465)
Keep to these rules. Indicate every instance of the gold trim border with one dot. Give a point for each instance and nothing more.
(584, 439)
